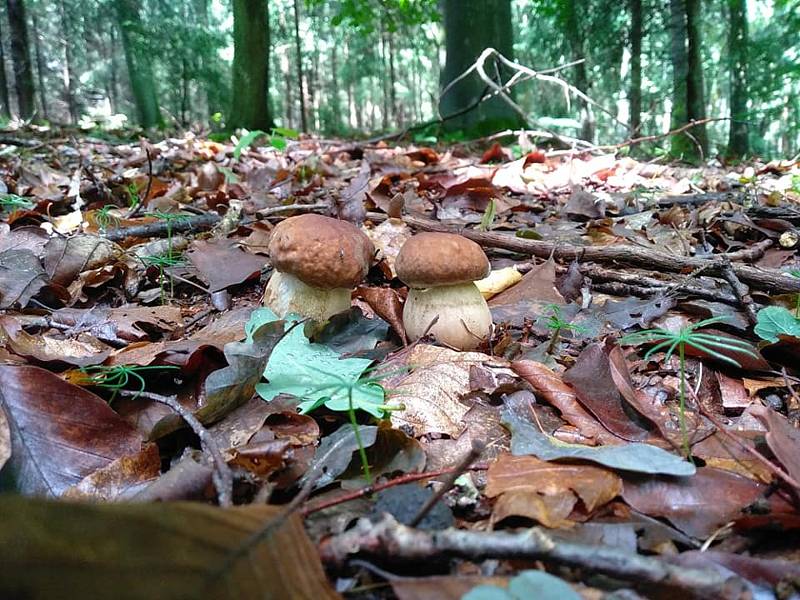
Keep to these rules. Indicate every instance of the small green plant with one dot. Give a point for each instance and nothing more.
(133, 196)
(688, 336)
(775, 321)
(117, 377)
(556, 323)
(104, 218)
(170, 219)
(277, 139)
(161, 262)
(796, 273)
(11, 202)
(488, 215)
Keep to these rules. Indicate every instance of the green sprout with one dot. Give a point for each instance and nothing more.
(12, 202)
(117, 377)
(162, 262)
(104, 218)
(170, 219)
(796, 273)
(556, 323)
(688, 336)
(133, 195)
(488, 216)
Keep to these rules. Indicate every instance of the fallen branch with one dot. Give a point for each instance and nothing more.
(769, 280)
(223, 477)
(387, 539)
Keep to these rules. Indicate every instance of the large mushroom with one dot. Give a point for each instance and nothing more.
(440, 269)
(317, 261)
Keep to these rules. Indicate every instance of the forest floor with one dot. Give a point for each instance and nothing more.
(629, 429)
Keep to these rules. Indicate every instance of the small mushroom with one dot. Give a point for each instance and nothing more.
(317, 261)
(440, 269)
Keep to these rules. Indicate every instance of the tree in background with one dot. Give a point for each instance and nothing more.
(21, 58)
(250, 106)
(5, 101)
(635, 94)
(140, 69)
(470, 26)
(738, 145)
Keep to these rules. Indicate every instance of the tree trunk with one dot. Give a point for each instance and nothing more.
(694, 86)
(396, 110)
(471, 26)
(140, 69)
(335, 102)
(299, 67)
(636, 67)
(250, 108)
(572, 9)
(681, 145)
(21, 58)
(70, 83)
(738, 145)
(40, 66)
(201, 15)
(5, 102)
(113, 70)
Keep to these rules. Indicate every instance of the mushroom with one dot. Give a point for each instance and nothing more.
(440, 269)
(317, 261)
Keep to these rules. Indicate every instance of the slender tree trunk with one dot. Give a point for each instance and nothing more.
(738, 144)
(40, 66)
(5, 102)
(70, 82)
(299, 67)
(250, 107)
(201, 15)
(21, 58)
(140, 69)
(396, 110)
(636, 67)
(695, 87)
(385, 83)
(572, 11)
(681, 145)
(113, 84)
(471, 26)
(335, 103)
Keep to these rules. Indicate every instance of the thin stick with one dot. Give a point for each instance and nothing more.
(741, 290)
(223, 477)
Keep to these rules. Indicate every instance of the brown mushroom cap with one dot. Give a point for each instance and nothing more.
(320, 251)
(431, 259)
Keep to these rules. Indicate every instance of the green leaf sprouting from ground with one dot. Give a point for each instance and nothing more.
(635, 457)
(317, 374)
(774, 321)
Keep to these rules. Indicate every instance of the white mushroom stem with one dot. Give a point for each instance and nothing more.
(463, 316)
(286, 294)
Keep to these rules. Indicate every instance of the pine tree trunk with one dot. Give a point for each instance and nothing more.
(572, 9)
(681, 145)
(70, 83)
(140, 69)
(695, 88)
(299, 67)
(5, 102)
(40, 66)
(250, 108)
(397, 111)
(113, 85)
(738, 144)
(21, 58)
(636, 67)
(470, 27)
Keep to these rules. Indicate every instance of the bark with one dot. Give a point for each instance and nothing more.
(299, 67)
(250, 108)
(5, 102)
(140, 69)
(572, 9)
(201, 15)
(21, 58)
(40, 65)
(694, 86)
(636, 66)
(396, 110)
(471, 26)
(384, 83)
(681, 145)
(738, 145)
(113, 70)
(70, 83)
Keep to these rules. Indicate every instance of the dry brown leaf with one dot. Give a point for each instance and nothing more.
(118, 479)
(550, 511)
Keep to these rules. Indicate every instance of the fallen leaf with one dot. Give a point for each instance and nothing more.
(336, 450)
(116, 480)
(45, 348)
(782, 439)
(60, 433)
(65, 258)
(21, 278)
(220, 264)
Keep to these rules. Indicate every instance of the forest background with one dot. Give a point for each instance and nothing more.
(361, 67)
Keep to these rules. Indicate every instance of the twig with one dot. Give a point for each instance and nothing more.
(387, 539)
(774, 281)
(223, 477)
(741, 290)
(161, 227)
(471, 456)
(138, 208)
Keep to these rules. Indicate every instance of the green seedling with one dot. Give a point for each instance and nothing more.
(133, 196)
(12, 202)
(796, 273)
(688, 336)
(488, 215)
(161, 262)
(117, 377)
(277, 139)
(104, 218)
(170, 219)
(556, 323)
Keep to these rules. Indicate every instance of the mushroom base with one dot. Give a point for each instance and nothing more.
(286, 294)
(464, 318)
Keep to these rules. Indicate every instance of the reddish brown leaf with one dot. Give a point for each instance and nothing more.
(220, 264)
(121, 478)
(59, 432)
(782, 439)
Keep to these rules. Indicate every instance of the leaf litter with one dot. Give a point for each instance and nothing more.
(551, 424)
